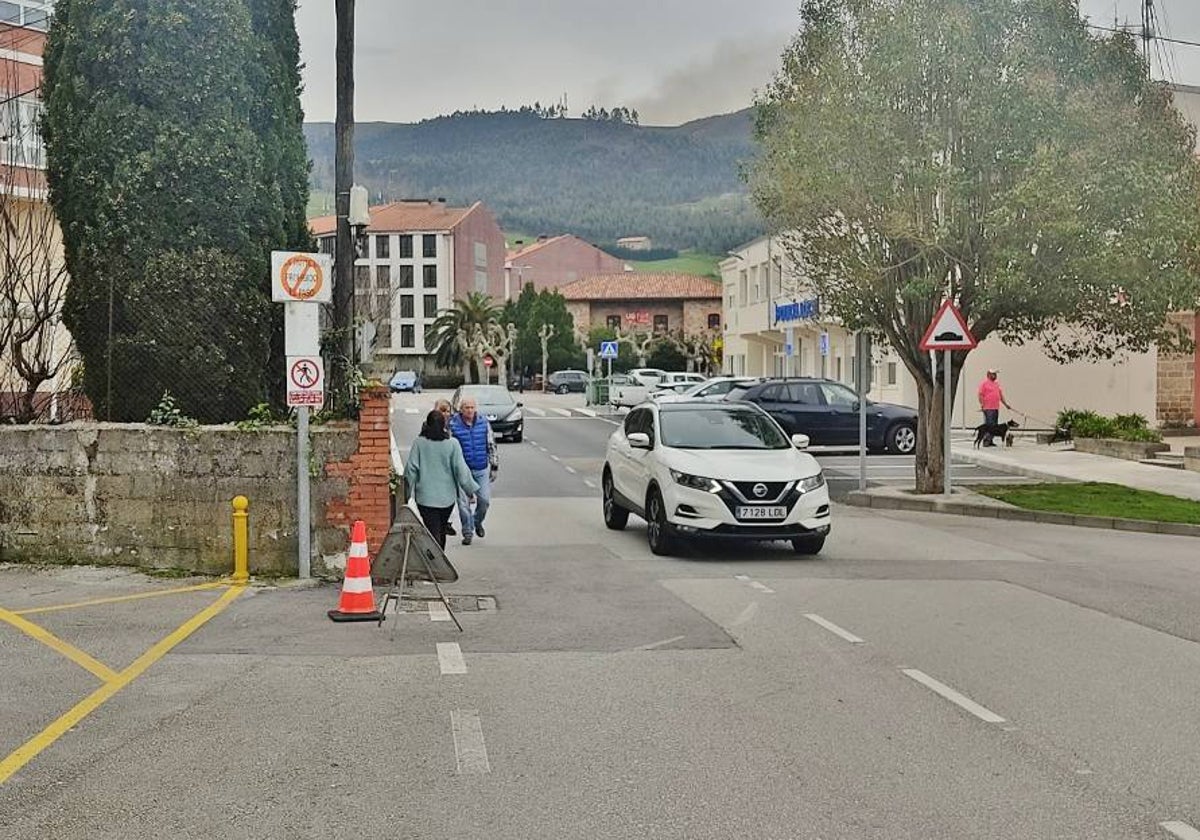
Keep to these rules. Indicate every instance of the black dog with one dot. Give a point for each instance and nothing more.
(999, 430)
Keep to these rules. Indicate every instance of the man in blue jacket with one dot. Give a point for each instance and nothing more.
(474, 435)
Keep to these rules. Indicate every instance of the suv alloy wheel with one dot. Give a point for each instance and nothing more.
(615, 516)
(658, 532)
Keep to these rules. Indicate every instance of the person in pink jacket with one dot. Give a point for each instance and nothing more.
(991, 397)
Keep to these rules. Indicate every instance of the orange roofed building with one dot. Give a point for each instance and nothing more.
(416, 258)
(553, 262)
(640, 303)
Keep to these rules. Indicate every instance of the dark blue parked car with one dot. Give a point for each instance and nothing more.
(827, 412)
(405, 380)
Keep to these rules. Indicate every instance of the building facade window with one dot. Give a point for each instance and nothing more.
(661, 323)
(891, 373)
(429, 276)
(406, 306)
(429, 246)
(406, 251)
(362, 277)
(613, 322)
(714, 320)
(383, 333)
(408, 336)
(404, 276)
(481, 281)
(431, 306)
(383, 246)
(33, 14)
(327, 245)
(743, 284)
(383, 276)
(22, 143)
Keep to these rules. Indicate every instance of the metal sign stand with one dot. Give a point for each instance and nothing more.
(416, 540)
(947, 407)
(304, 513)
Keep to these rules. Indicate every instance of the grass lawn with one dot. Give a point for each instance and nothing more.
(688, 262)
(1097, 499)
(320, 203)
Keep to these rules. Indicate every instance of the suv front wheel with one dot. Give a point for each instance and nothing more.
(658, 530)
(615, 516)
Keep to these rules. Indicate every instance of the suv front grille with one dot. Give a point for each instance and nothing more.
(774, 489)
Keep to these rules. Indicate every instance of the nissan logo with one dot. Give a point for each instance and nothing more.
(760, 490)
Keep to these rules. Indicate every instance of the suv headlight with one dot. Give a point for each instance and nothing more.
(813, 482)
(696, 482)
(516, 415)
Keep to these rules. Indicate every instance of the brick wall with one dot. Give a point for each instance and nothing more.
(1177, 389)
(696, 312)
(155, 497)
(365, 474)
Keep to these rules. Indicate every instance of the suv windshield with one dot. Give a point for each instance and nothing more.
(720, 428)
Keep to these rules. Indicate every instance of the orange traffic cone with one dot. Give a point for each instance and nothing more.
(358, 598)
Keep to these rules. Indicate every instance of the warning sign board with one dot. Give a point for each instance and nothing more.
(305, 381)
(948, 331)
(297, 276)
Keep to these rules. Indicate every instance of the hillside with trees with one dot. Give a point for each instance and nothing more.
(600, 177)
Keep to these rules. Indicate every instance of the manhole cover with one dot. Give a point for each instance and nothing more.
(458, 603)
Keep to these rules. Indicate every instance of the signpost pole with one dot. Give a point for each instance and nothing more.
(862, 437)
(947, 408)
(304, 526)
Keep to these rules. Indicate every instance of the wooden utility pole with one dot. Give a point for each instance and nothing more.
(343, 178)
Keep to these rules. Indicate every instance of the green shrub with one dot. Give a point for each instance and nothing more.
(1089, 424)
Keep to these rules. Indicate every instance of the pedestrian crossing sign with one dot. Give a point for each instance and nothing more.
(608, 349)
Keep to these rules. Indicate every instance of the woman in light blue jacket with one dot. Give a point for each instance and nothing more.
(434, 474)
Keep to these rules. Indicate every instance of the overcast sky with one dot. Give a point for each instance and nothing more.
(673, 60)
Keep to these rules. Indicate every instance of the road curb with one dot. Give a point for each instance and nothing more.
(935, 504)
(1002, 465)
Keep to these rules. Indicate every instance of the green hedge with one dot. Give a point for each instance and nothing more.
(1089, 424)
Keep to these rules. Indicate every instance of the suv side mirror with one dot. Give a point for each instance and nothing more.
(639, 440)
(800, 441)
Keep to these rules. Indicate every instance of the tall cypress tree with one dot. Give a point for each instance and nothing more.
(160, 179)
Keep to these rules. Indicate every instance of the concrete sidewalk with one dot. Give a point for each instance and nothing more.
(1060, 462)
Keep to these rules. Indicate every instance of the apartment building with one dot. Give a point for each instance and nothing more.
(555, 261)
(415, 259)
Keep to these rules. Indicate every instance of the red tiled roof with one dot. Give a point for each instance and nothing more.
(633, 286)
(402, 216)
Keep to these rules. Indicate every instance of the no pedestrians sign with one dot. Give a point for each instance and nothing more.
(305, 381)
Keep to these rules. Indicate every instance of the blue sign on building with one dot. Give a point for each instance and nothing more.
(802, 310)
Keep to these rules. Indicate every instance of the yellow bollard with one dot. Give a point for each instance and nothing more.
(241, 539)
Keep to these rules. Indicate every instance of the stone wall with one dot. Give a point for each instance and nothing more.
(155, 497)
(1177, 377)
(1127, 450)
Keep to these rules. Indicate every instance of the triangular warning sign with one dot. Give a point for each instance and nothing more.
(948, 331)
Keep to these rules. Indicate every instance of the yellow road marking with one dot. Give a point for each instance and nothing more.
(118, 598)
(67, 649)
(30, 749)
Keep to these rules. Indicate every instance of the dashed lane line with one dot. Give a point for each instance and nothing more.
(571, 470)
(590, 484)
(450, 658)
(834, 629)
(761, 587)
(564, 412)
(960, 700)
(1180, 829)
(470, 751)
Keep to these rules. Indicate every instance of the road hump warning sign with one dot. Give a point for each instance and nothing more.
(948, 330)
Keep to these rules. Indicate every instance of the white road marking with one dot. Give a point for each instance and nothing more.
(414, 411)
(954, 697)
(745, 615)
(741, 577)
(469, 749)
(555, 458)
(438, 611)
(834, 629)
(536, 412)
(654, 645)
(532, 442)
(571, 470)
(591, 484)
(1181, 830)
(450, 658)
(761, 587)
(563, 411)
(586, 412)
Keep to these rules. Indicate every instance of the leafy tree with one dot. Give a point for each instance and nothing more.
(529, 312)
(157, 176)
(626, 360)
(986, 151)
(449, 335)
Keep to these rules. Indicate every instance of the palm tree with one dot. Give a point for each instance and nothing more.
(447, 336)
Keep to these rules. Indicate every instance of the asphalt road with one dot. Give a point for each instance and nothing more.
(924, 677)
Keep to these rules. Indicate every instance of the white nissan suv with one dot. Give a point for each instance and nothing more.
(705, 469)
